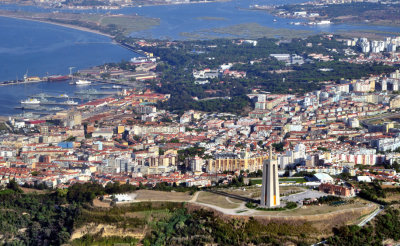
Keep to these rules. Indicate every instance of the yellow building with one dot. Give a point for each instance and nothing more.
(120, 129)
(236, 163)
(395, 102)
(372, 85)
(388, 126)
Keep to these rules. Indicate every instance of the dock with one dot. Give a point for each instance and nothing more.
(62, 96)
(96, 92)
(39, 108)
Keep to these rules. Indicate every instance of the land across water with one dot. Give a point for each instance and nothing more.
(104, 24)
(80, 28)
(191, 21)
(43, 48)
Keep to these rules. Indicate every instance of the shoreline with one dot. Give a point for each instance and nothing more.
(79, 28)
(83, 29)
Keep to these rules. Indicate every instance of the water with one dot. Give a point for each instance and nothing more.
(11, 95)
(176, 19)
(42, 49)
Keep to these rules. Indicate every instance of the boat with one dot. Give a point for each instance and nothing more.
(116, 87)
(71, 102)
(64, 96)
(55, 78)
(83, 82)
(55, 109)
(275, 20)
(31, 101)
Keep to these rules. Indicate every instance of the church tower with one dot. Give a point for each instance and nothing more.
(270, 183)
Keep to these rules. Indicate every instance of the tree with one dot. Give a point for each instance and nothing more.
(278, 146)
(13, 185)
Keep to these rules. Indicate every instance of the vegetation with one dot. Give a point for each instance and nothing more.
(330, 200)
(97, 239)
(385, 226)
(289, 205)
(278, 146)
(372, 192)
(33, 219)
(49, 219)
(255, 174)
(203, 227)
(114, 25)
(228, 94)
(245, 30)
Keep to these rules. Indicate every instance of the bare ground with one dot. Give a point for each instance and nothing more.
(153, 195)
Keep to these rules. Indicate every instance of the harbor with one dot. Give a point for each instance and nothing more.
(35, 79)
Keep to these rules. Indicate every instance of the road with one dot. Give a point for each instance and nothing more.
(381, 116)
(370, 217)
(361, 224)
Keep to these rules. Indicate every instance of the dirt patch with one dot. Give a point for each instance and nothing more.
(153, 195)
(106, 231)
(390, 197)
(99, 204)
(30, 190)
(217, 200)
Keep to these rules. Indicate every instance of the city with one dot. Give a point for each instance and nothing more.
(238, 141)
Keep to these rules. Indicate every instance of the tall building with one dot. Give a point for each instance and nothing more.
(270, 183)
(74, 118)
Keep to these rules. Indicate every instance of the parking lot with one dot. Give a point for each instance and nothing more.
(299, 197)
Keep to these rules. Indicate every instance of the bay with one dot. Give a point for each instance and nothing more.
(41, 49)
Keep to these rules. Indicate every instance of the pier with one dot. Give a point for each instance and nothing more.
(62, 96)
(96, 92)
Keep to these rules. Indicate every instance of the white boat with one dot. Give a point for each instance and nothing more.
(116, 87)
(64, 95)
(83, 82)
(31, 101)
(71, 102)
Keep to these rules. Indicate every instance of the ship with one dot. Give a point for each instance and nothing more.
(55, 78)
(83, 82)
(31, 101)
(70, 102)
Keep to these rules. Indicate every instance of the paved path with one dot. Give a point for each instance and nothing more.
(245, 211)
(194, 198)
(370, 217)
